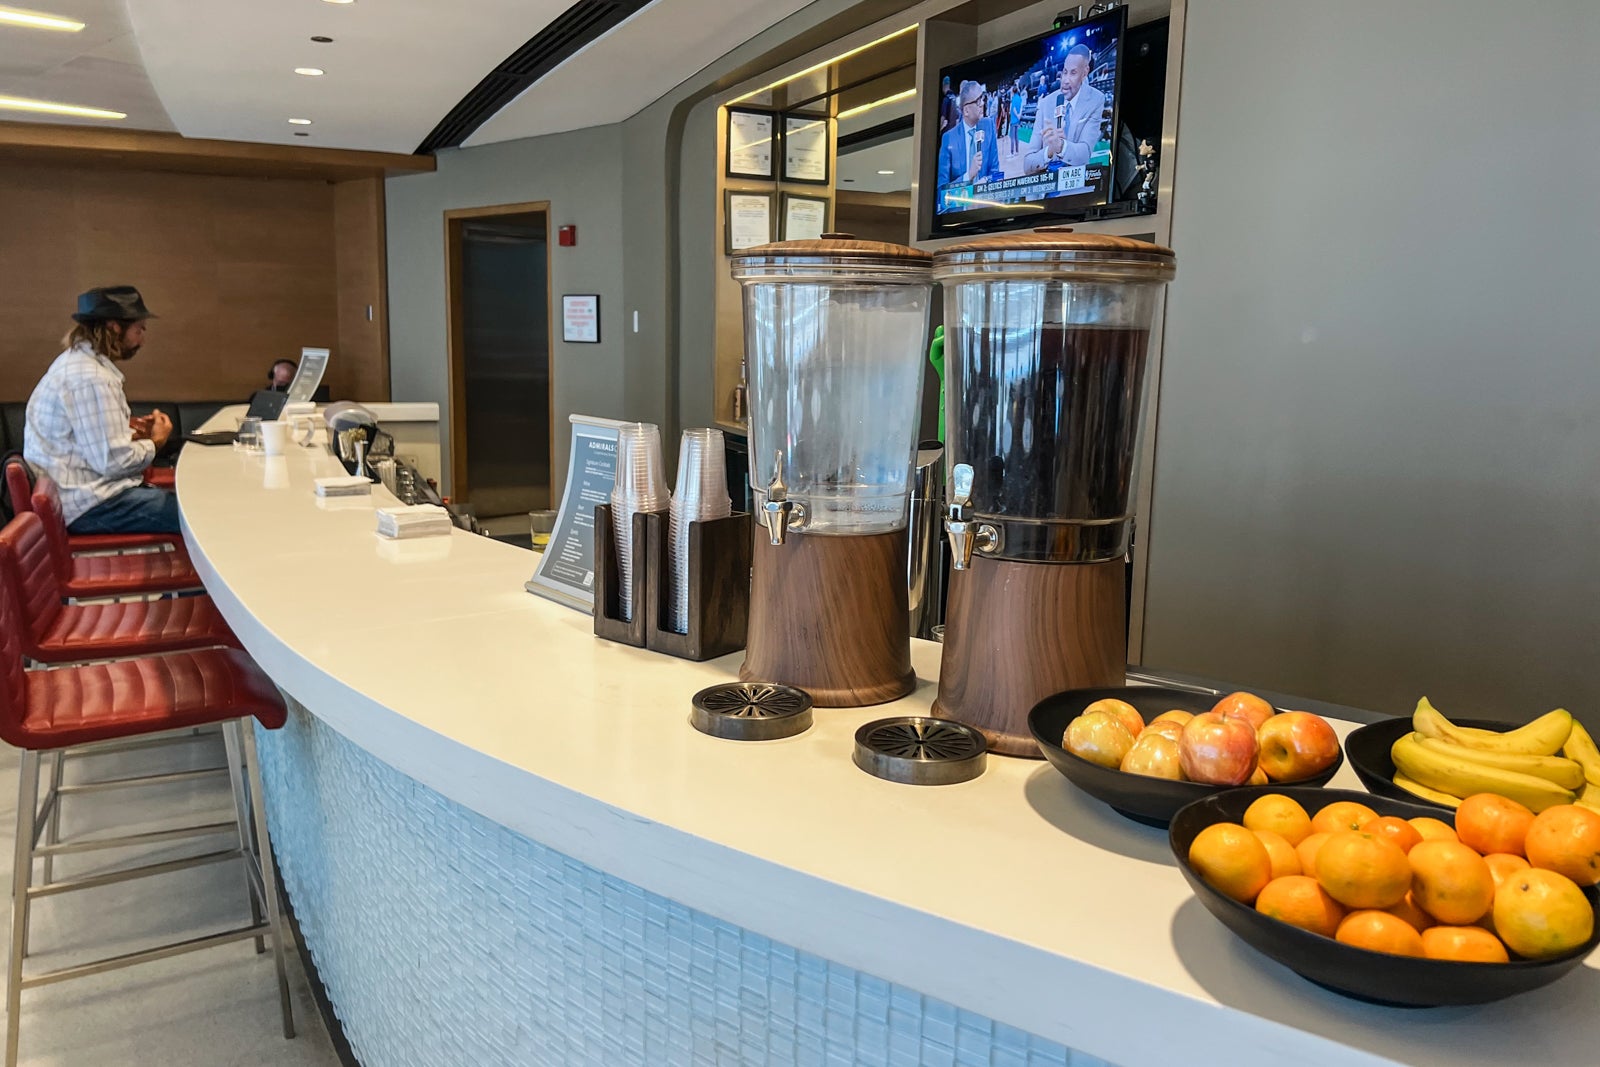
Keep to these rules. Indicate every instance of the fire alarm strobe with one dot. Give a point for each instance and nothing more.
(567, 236)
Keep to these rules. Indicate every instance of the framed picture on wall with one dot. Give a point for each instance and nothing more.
(805, 218)
(752, 143)
(805, 148)
(748, 220)
(580, 318)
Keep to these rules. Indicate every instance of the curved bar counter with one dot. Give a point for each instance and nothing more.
(506, 844)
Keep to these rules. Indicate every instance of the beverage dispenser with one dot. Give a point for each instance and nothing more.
(835, 334)
(1046, 336)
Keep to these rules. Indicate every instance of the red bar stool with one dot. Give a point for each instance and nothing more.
(82, 577)
(42, 712)
(19, 485)
(161, 477)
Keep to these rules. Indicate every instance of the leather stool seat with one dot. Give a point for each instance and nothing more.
(19, 484)
(97, 576)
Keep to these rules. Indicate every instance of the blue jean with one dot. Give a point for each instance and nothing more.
(142, 509)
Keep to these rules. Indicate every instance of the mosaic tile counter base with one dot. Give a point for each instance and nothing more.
(445, 939)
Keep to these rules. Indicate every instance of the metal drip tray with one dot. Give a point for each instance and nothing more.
(918, 750)
(751, 711)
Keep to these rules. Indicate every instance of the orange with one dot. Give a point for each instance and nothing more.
(1280, 815)
(1566, 839)
(1493, 823)
(1342, 815)
(1407, 909)
(1307, 851)
(1232, 859)
(1285, 861)
(1503, 865)
(1361, 870)
(1472, 944)
(1393, 828)
(1433, 829)
(1300, 901)
(1378, 931)
(1541, 913)
(1451, 882)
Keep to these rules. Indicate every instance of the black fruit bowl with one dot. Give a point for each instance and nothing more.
(1152, 801)
(1368, 748)
(1400, 981)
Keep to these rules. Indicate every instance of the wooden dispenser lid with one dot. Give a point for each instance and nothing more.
(1058, 250)
(841, 251)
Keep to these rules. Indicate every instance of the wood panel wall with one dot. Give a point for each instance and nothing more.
(241, 270)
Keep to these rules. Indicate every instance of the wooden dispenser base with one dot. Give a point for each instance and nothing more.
(828, 615)
(1016, 633)
(719, 589)
(608, 620)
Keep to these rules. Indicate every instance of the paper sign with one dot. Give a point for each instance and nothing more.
(580, 319)
(566, 571)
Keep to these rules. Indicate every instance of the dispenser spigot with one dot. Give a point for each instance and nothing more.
(778, 509)
(966, 535)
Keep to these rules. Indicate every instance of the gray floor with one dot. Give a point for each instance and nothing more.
(216, 1008)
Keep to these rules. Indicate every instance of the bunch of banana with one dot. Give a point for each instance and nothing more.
(1442, 762)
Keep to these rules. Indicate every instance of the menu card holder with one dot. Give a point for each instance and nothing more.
(608, 620)
(719, 589)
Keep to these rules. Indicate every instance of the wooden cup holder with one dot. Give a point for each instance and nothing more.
(608, 621)
(719, 589)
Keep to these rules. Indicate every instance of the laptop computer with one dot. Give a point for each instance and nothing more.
(265, 405)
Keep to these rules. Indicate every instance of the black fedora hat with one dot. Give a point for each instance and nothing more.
(119, 302)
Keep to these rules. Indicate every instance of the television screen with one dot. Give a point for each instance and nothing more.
(1026, 132)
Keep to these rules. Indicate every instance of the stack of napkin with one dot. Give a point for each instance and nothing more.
(344, 485)
(418, 520)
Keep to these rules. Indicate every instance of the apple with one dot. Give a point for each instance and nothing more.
(1165, 728)
(1132, 721)
(1098, 737)
(1176, 715)
(1246, 706)
(1154, 756)
(1218, 750)
(1257, 776)
(1295, 745)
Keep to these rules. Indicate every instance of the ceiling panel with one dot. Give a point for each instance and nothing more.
(99, 66)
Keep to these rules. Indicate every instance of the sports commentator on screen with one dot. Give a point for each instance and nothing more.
(1067, 123)
(968, 153)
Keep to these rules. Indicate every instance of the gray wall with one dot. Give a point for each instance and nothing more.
(581, 175)
(1378, 461)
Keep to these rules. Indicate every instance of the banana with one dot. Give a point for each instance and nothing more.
(1462, 777)
(1581, 747)
(1563, 772)
(1543, 736)
(1418, 789)
(1590, 797)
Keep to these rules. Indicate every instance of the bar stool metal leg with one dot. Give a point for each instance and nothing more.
(241, 809)
(269, 876)
(21, 880)
(52, 834)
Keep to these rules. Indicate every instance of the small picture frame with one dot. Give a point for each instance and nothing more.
(752, 138)
(807, 140)
(747, 220)
(805, 218)
(580, 318)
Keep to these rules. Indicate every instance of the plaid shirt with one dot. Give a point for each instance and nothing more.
(77, 432)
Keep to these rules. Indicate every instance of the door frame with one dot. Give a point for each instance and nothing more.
(455, 319)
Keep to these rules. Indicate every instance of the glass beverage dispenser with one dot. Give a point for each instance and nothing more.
(835, 332)
(1046, 337)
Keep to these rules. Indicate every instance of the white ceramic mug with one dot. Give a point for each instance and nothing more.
(274, 437)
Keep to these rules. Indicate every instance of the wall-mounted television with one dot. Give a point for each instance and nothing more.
(1026, 133)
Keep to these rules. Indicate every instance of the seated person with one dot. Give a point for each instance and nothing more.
(79, 430)
(281, 374)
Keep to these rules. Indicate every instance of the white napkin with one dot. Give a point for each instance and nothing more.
(343, 485)
(416, 520)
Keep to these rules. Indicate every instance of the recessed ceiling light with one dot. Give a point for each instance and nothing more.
(38, 20)
(885, 172)
(299, 122)
(45, 107)
(338, 1)
(310, 72)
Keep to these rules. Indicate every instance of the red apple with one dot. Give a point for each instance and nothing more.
(1125, 712)
(1154, 756)
(1246, 706)
(1295, 745)
(1164, 728)
(1098, 737)
(1177, 715)
(1218, 750)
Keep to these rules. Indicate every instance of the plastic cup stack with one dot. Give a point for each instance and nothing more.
(702, 495)
(640, 487)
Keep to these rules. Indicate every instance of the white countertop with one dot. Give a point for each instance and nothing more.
(1013, 895)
